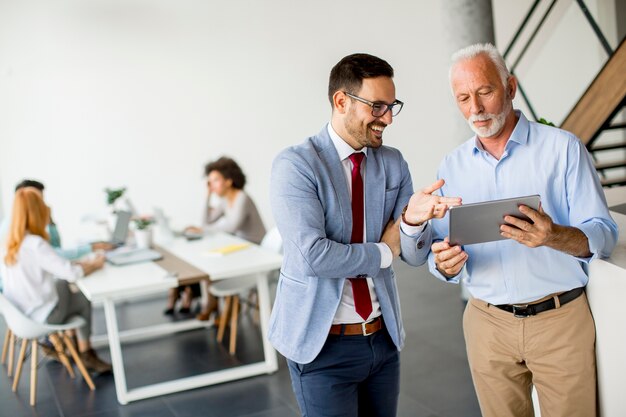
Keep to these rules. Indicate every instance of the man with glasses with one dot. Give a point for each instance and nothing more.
(336, 198)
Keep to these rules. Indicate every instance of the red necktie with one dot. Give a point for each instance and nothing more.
(360, 290)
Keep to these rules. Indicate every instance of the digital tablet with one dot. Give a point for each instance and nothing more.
(480, 222)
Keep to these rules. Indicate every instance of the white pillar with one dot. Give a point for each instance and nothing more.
(466, 22)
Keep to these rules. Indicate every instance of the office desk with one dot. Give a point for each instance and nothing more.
(114, 284)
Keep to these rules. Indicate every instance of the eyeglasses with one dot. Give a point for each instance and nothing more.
(378, 108)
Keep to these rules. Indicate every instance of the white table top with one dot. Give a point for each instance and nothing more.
(118, 282)
(126, 281)
(250, 260)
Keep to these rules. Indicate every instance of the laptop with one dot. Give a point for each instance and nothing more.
(120, 233)
(164, 224)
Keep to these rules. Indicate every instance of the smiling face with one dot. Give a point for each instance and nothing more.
(353, 119)
(482, 98)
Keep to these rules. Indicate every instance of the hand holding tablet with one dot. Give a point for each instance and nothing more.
(481, 222)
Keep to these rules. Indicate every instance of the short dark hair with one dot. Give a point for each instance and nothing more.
(348, 74)
(229, 170)
(30, 183)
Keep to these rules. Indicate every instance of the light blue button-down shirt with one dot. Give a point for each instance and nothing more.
(537, 159)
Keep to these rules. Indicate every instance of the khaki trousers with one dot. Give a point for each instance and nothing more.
(553, 350)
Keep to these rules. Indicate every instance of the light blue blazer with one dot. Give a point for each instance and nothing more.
(313, 212)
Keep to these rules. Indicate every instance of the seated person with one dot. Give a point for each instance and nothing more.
(36, 278)
(235, 213)
(71, 253)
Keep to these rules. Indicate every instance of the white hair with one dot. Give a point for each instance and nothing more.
(489, 51)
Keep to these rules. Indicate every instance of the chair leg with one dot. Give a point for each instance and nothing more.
(253, 300)
(223, 319)
(33, 372)
(58, 346)
(11, 355)
(79, 362)
(233, 325)
(20, 362)
(5, 346)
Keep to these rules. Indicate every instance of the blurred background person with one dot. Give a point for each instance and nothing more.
(36, 277)
(234, 212)
(71, 253)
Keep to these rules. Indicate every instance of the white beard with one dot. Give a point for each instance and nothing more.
(497, 122)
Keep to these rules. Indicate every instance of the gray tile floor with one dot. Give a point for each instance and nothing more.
(435, 379)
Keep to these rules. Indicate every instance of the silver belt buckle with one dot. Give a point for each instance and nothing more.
(520, 315)
(365, 333)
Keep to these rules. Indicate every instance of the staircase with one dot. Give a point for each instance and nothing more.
(594, 114)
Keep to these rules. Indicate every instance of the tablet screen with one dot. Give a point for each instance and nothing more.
(480, 222)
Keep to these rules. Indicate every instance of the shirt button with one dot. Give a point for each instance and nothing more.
(420, 244)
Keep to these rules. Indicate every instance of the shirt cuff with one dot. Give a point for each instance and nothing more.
(462, 275)
(386, 257)
(412, 230)
(594, 240)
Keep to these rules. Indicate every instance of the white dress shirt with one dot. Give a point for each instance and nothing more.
(346, 312)
(30, 282)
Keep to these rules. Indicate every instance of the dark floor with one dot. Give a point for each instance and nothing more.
(435, 380)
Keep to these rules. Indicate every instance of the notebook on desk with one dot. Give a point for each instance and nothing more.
(132, 256)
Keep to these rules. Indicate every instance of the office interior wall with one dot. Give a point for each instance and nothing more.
(141, 93)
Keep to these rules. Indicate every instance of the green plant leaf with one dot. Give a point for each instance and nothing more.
(545, 122)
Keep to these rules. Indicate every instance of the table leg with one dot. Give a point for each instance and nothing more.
(271, 360)
(116, 351)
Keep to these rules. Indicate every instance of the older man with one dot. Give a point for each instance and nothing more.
(528, 322)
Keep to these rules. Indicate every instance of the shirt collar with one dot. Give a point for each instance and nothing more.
(343, 149)
(519, 134)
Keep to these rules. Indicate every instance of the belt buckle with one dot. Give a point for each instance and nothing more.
(520, 310)
(363, 328)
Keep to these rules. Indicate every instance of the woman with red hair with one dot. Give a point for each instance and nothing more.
(36, 278)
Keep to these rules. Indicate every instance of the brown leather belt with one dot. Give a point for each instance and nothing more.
(361, 329)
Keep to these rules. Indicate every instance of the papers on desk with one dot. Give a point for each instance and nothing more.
(125, 256)
(225, 250)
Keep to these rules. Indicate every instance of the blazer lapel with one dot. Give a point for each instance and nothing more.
(329, 155)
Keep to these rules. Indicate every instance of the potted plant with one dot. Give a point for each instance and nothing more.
(113, 194)
(143, 231)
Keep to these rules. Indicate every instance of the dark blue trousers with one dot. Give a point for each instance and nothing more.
(353, 376)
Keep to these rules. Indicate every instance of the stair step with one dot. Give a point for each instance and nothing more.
(609, 165)
(607, 147)
(613, 181)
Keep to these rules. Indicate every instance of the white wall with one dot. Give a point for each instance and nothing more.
(141, 93)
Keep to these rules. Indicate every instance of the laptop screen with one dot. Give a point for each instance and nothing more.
(121, 228)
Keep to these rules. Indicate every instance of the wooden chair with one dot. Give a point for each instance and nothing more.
(231, 289)
(8, 347)
(30, 331)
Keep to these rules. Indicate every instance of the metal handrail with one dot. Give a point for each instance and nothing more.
(522, 27)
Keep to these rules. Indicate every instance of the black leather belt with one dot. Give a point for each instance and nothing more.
(525, 310)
